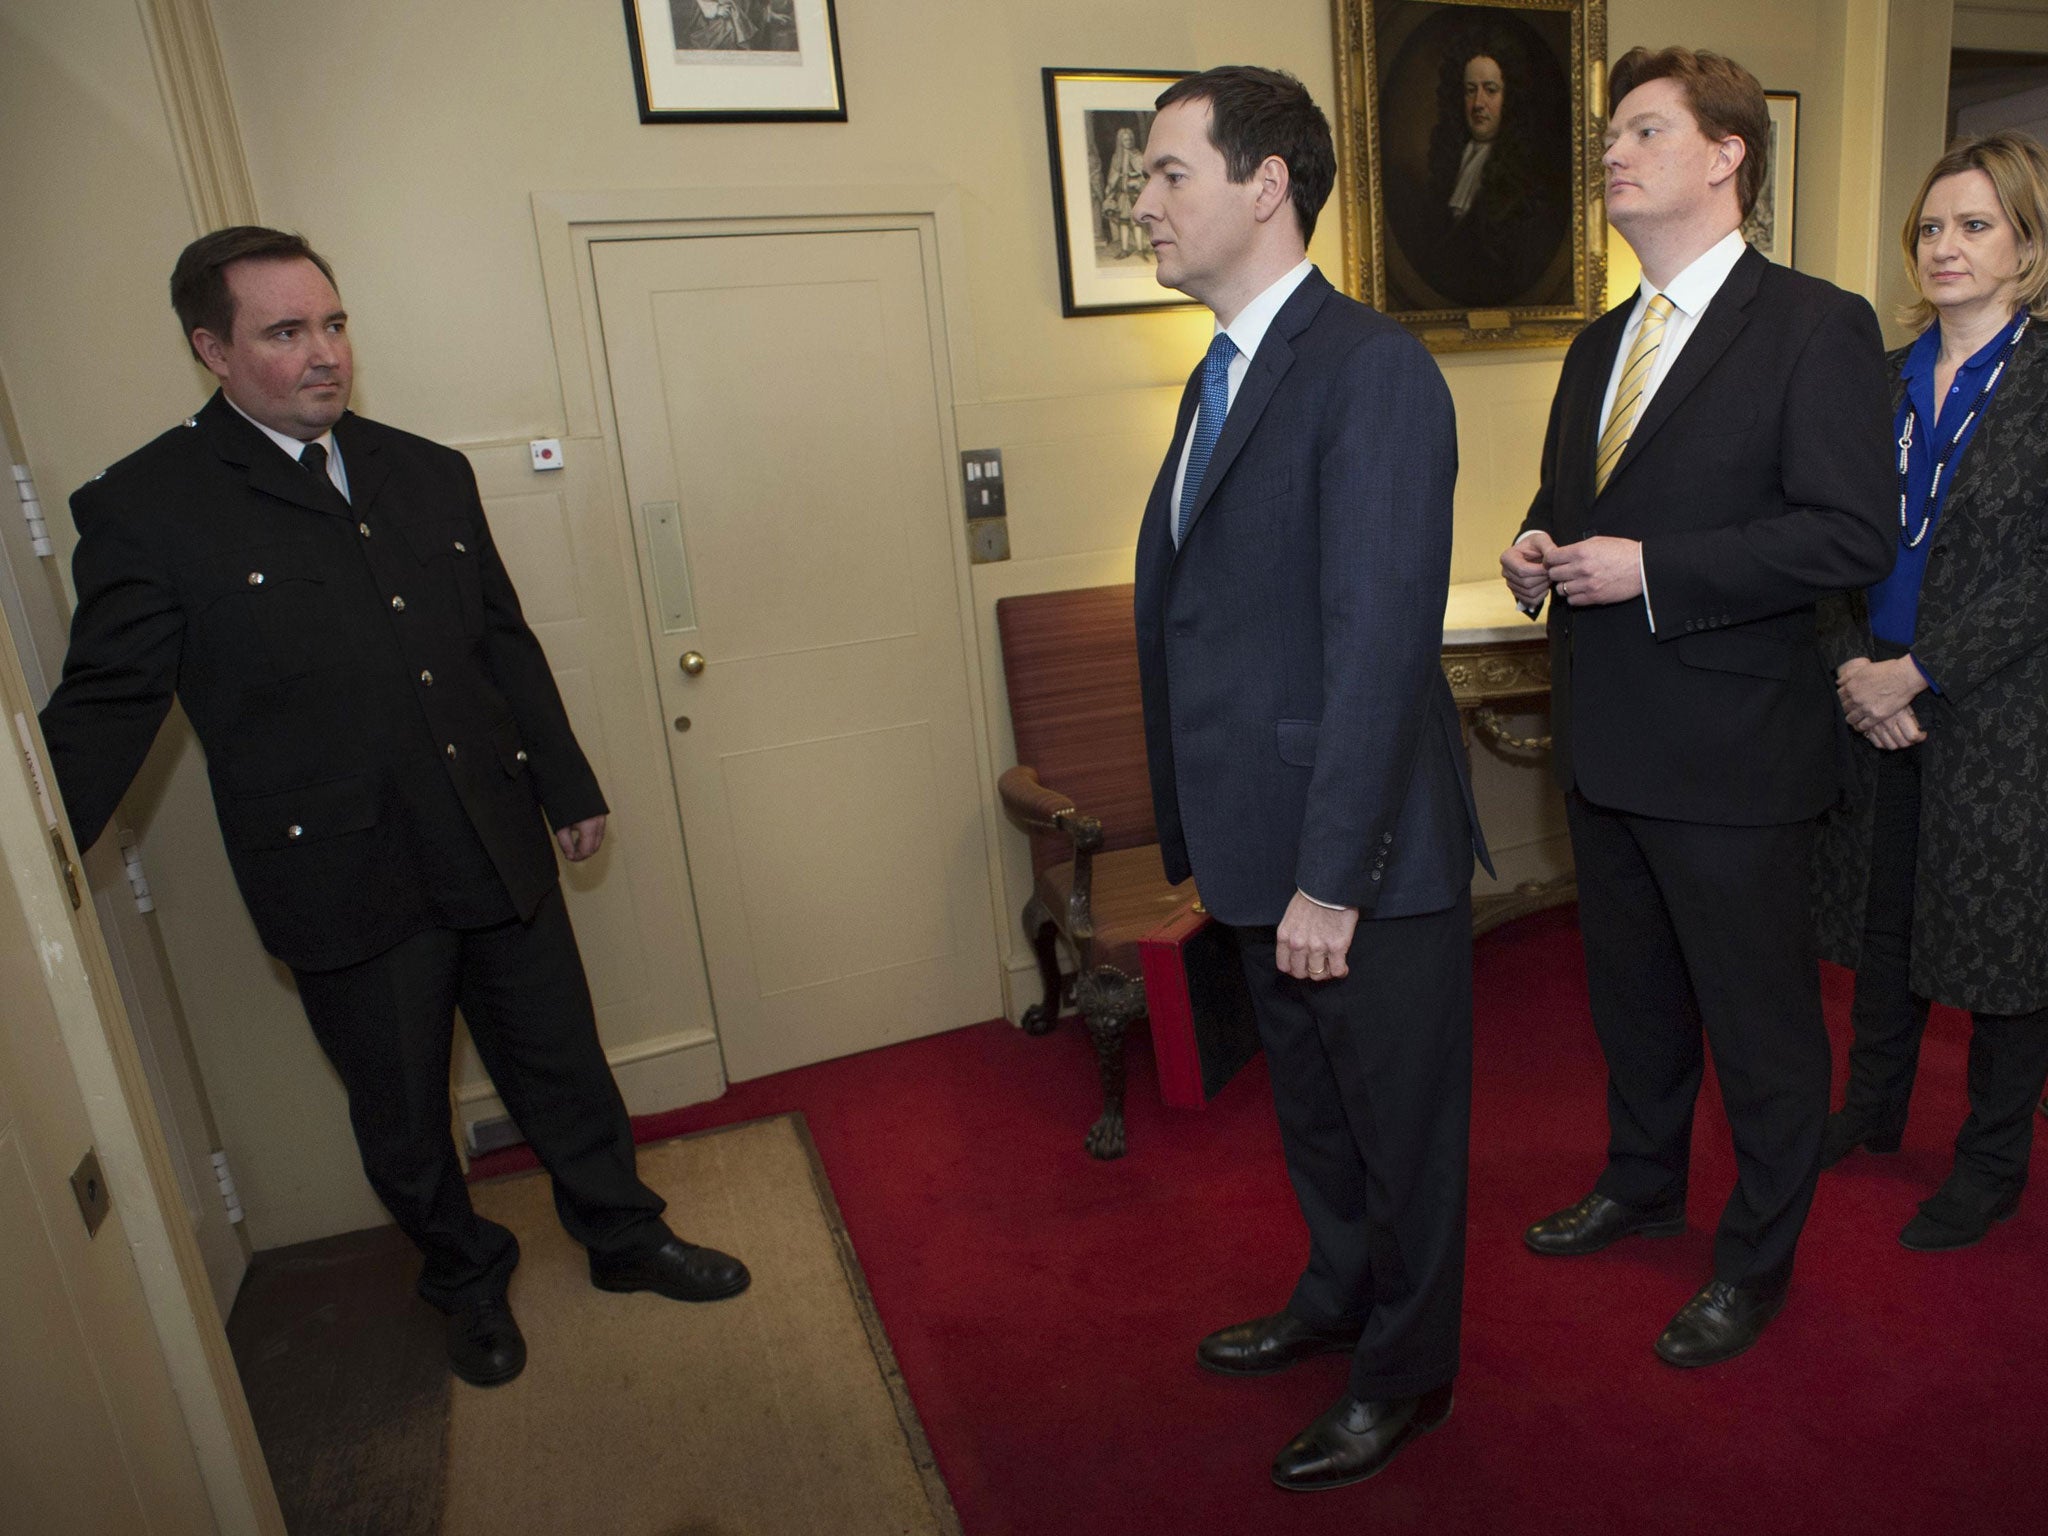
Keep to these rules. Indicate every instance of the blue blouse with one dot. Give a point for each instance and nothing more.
(1895, 601)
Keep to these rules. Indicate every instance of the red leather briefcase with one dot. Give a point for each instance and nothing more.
(1200, 1008)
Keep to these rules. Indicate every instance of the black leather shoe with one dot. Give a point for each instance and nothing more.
(678, 1270)
(1594, 1223)
(1719, 1323)
(485, 1347)
(1268, 1344)
(1356, 1439)
(1848, 1130)
(1958, 1215)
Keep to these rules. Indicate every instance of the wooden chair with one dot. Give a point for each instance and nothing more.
(1080, 788)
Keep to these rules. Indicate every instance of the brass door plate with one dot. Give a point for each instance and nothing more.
(90, 1187)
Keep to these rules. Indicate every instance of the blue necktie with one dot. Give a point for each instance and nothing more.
(1208, 426)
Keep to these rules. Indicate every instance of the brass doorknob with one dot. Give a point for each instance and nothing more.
(693, 663)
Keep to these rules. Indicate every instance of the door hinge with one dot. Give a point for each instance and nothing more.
(32, 512)
(138, 882)
(226, 1181)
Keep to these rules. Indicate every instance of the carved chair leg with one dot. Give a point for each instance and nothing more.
(1106, 1136)
(1040, 1017)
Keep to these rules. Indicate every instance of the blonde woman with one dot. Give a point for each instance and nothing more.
(1933, 877)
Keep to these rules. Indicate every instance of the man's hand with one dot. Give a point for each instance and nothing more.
(1522, 564)
(1595, 572)
(580, 840)
(1900, 730)
(1313, 940)
(1875, 691)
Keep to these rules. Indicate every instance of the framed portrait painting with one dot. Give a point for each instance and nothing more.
(736, 61)
(1471, 181)
(1769, 225)
(1096, 121)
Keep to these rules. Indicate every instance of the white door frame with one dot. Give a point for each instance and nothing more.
(569, 223)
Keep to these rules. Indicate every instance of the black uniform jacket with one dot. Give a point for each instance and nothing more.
(1757, 480)
(381, 730)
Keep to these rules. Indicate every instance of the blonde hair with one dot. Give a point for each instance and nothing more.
(2018, 168)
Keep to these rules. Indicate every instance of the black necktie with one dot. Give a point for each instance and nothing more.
(314, 458)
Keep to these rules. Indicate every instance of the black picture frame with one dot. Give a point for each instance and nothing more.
(1772, 225)
(761, 61)
(1105, 263)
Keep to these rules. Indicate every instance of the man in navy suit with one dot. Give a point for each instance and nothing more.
(1305, 756)
(1716, 462)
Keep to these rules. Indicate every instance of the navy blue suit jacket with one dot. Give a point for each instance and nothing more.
(1298, 725)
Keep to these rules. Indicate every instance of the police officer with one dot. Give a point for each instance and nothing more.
(383, 739)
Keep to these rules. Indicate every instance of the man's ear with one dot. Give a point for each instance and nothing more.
(212, 352)
(1275, 188)
(1729, 153)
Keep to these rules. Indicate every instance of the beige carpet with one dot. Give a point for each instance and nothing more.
(778, 1413)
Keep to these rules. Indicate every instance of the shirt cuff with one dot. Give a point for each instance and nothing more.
(1643, 576)
(1327, 906)
(1932, 685)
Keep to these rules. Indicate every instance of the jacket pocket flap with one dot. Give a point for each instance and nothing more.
(439, 537)
(1296, 740)
(259, 571)
(294, 816)
(1733, 650)
(505, 742)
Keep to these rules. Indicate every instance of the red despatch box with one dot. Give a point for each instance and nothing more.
(1200, 1007)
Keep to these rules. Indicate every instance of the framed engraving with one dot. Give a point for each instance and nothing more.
(1096, 122)
(736, 61)
(1469, 139)
(1769, 225)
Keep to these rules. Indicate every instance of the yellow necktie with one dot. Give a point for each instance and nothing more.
(1628, 394)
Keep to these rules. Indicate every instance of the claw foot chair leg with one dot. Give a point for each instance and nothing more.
(1041, 1017)
(1106, 1136)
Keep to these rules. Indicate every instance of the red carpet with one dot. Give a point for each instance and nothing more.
(1044, 1307)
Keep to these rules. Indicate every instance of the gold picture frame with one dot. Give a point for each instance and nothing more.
(1474, 239)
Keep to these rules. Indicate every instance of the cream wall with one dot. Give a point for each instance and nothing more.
(406, 140)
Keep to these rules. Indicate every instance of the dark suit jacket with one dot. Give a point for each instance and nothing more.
(1297, 722)
(1758, 480)
(366, 758)
(1980, 902)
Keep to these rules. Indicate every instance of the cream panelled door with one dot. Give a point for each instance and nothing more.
(778, 418)
(92, 1439)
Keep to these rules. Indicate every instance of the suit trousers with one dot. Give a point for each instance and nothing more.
(1689, 926)
(387, 1024)
(1372, 1083)
(2008, 1052)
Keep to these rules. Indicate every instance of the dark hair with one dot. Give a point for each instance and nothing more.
(1513, 147)
(1724, 97)
(1257, 113)
(199, 282)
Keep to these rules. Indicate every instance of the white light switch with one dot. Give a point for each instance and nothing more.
(547, 453)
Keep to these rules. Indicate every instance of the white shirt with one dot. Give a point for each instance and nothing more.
(1690, 292)
(293, 447)
(1246, 332)
(1471, 166)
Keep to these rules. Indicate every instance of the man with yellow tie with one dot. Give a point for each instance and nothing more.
(1716, 461)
